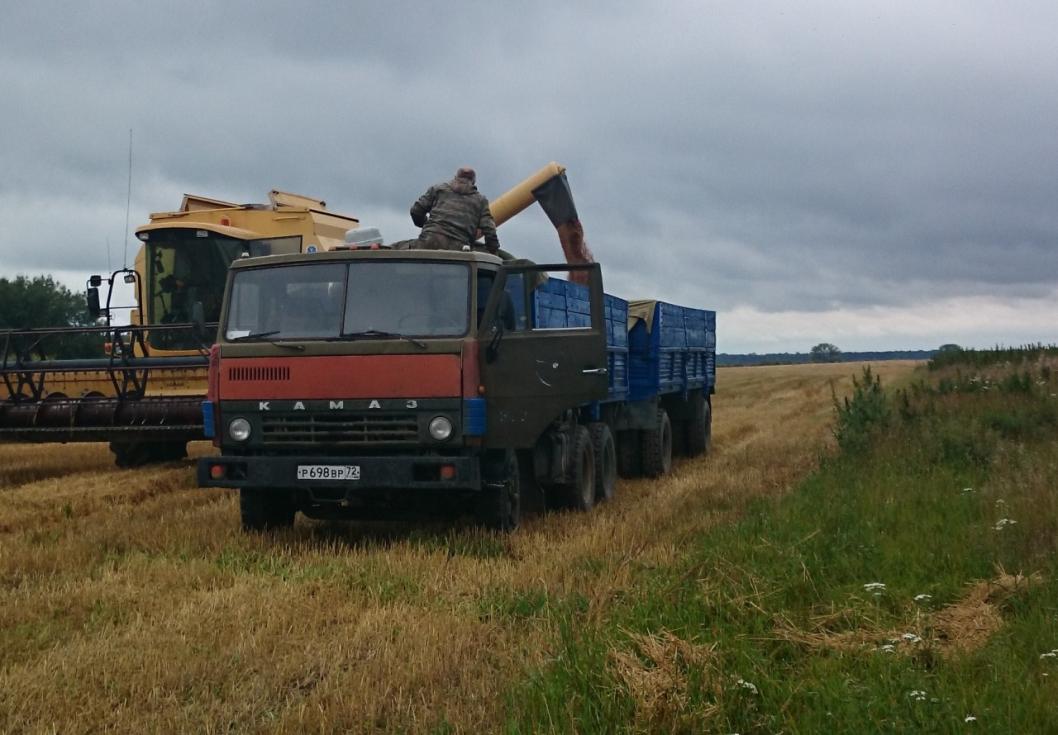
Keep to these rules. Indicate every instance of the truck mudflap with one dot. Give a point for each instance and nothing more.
(410, 472)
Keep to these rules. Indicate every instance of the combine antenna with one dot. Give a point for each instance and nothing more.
(128, 204)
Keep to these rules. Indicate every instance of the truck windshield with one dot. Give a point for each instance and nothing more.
(372, 299)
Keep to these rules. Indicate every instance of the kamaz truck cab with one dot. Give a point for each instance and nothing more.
(369, 383)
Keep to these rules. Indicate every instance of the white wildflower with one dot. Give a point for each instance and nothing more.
(876, 587)
(1003, 523)
(748, 686)
(970, 718)
(1050, 654)
(911, 638)
(923, 597)
(887, 648)
(917, 694)
(967, 490)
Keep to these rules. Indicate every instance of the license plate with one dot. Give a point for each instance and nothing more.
(328, 472)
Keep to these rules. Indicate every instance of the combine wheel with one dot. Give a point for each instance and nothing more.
(629, 457)
(265, 510)
(698, 430)
(602, 444)
(657, 446)
(136, 454)
(499, 503)
(579, 492)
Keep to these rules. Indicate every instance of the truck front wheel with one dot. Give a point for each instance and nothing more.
(262, 510)
(500, 500)
(657, 446)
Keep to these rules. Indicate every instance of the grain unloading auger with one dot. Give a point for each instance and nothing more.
(140, 385)
(550, 188)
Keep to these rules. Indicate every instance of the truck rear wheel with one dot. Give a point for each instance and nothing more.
(657, 446)
(265, 510)
(602, 444)
(698, 430)
(629, 457)
(579, 492)
(499, 503)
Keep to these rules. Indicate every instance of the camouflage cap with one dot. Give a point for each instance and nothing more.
(466, 172)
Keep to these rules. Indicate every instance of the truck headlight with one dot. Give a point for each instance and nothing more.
(440, 428)
(239, 430)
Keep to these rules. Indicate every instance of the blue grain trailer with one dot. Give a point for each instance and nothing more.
(661, 366)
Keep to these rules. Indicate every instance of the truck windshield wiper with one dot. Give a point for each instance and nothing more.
(264, 336)
(369, 333)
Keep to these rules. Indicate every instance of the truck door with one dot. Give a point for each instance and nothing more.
(543, 349)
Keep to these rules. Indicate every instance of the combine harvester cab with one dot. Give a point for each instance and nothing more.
(139, 385)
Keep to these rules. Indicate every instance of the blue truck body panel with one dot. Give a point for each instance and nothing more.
(678, 354)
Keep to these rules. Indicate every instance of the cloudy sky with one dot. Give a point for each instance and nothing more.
(876, 175)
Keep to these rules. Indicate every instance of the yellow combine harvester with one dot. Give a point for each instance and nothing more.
(143, 387)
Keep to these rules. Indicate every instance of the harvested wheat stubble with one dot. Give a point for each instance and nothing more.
(130, 600)
(657, 676)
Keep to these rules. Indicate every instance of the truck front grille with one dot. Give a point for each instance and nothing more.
(356, 430)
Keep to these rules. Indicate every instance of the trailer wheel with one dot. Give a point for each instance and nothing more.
(579, 492)
(698, 431)
(500, 503)
(602, 444)
(265, 510)
(657, 446)
(629, 457)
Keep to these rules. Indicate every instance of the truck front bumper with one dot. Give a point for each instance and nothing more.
(411, 472)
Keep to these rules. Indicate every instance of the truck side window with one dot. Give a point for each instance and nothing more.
(485, 281)
(513, 310)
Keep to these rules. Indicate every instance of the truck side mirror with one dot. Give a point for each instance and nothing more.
(92, 299)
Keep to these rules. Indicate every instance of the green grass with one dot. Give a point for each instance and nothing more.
(916, 501)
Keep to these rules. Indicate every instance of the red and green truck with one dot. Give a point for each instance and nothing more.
(378, 383)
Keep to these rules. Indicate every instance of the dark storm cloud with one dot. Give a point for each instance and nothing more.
(765, 156)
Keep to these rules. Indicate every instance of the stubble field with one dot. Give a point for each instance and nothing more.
(131, 602)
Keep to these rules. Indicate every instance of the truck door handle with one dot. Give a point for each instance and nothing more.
(595, 371)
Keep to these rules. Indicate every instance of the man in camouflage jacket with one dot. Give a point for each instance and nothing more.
(457, 211)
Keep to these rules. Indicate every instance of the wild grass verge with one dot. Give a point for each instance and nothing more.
(907, 585)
